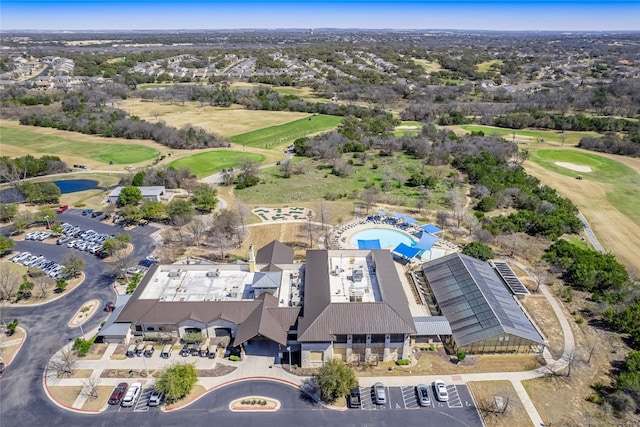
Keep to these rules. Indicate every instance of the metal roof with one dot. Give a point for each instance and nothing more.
(432, 325)
(475, 301)
(510, 278)
(111, 328)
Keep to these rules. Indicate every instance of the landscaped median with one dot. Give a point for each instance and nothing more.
(254, 404)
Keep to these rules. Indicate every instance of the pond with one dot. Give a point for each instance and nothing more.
(75, 185)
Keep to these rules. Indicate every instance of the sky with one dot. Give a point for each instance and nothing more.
(512, 15)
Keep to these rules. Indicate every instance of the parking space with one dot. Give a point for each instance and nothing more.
(405, 398)
(141, 403)
(409, 397)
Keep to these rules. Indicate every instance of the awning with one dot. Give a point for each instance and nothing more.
(406, 251)
(396, 215)
(410, 220)
(369, 244)
(430, 228)
(426, 241)
(381, 212)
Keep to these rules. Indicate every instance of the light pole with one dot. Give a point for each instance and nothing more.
(289, 351)
(82, 331)
(46, 217)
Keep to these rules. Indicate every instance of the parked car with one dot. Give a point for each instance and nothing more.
(96, 214)
(156, 398)
(131, 395)
(441, 390)
(118, 393)
(354, 398)
(379, 394)
(87, 211)
(63, 240)
(422, 394)
(61, 209)
(185, 351)
(109, 306)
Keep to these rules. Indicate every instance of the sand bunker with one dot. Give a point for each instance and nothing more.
(574, 167)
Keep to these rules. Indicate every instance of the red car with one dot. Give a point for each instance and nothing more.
(118, 393)
(61, 209)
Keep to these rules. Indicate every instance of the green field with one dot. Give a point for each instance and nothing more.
(622, 183)
(275, 136)
(205, 164)
(39, 144)
(571, 138)
(318, 182)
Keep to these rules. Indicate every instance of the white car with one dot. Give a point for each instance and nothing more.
(131, 395)
(441, 390)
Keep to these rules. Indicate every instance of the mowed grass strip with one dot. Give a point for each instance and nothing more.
(205, 164)
(602, 169)
(39, 144)
(274, 136)
(571, 137)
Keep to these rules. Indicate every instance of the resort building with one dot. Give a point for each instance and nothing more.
(483, 314)
(346, 304)
(153, 194)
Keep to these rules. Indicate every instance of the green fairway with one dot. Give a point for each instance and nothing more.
(205, 164)
(622, 184)
(39, 144)
(275, 136)
(571, 138)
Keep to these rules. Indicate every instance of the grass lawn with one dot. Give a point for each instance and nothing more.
(319, 183)
(210, 162)
(96, 404)
(411, 123)
(65, 394)
(274, 136)
(39, 144)
(429, 66)
(530, 135)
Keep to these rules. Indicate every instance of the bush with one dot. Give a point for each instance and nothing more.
(177, 380)
(83, 346)
(192, 337)
(461, 355)
(580, 320)
(234, 358)
(402, 362)
(478, 250)
(335, 379)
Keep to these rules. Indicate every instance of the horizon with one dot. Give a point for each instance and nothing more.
(390, 15)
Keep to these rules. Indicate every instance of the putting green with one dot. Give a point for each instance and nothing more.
(602, 169)
(205, 164)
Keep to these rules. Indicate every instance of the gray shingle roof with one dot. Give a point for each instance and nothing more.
(475, 301)
(322, 320)
(275, 253)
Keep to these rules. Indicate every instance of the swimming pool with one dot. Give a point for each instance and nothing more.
(388, 238)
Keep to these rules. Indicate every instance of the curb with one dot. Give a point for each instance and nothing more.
(237, 380)
(24, 338)
(62, 295)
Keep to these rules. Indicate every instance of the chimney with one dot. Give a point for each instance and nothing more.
(252, 259)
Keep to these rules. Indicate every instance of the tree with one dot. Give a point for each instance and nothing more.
(9, 282)
(25, 289)
(335, 379)
(91, 386)
(204, 197)
(540, 274)
(11, 327)
(64, 363)
(56, 228)
(8, 211)
(61, 285)
(369, 196)
(132, 214)
(6, 244)
(197, 227)
(179, 208)
(285, 169)
(478, 250)
(21, 222)
(138, 179)
(153, 211)
(130, 195)
(73, 265)
(176, 381)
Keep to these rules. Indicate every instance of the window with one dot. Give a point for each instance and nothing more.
(138, 328)
(150, 328)
(397, 338)
(359, 339)
(316, 356)
(378, 338)
(341, 339)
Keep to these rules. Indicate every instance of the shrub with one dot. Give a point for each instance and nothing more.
(402, 362)
(234, 358)
(580, 320)
(461, 355)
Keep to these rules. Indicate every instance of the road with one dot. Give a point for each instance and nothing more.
(591, 235)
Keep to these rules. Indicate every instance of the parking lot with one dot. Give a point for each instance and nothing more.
(405, 398)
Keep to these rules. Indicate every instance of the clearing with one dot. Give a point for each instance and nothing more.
(485, 393)
(524, 135)
(429, 66)
(483, 67)
(222, 121)
(210, 162)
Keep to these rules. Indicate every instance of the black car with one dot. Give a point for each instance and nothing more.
(146, 263)
(354, 398)
(87, 211)
(96, 214)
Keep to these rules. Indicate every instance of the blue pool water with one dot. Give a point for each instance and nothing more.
(388, 238)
